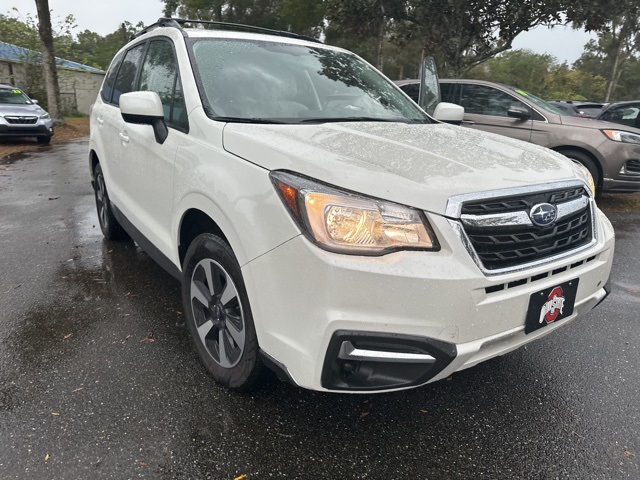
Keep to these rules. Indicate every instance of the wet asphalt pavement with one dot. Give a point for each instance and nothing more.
(98, 378)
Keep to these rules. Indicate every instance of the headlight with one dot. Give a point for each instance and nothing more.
(44, 116)
(622, 136)
(587, 177)
(345, 222)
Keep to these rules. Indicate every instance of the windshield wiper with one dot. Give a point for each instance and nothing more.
(253, 120)
(361, 119)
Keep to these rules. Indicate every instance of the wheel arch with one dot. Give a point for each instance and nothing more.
(194, 222)
(584, 151)
(93, 161)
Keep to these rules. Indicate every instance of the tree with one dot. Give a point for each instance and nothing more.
(460, 34)
(300, 16)
(617, 24)
(49, 61)
(521, 68)
(16, 31)
(541, 75)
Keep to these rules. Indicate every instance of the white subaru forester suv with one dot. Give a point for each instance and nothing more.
(325, 226)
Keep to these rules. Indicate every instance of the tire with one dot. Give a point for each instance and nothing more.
(44, 139)
(110, 227)
(588, 162)
(218, 314)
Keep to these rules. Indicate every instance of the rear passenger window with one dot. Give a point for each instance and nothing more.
(127, 73)
(160, 74)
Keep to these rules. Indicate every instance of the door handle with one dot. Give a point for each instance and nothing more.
(124, 138)
(99, 120)
(468, 122)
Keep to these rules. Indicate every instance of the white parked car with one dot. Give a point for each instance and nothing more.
(325, 226)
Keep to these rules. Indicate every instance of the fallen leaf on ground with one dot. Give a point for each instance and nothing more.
(67, 336)
(143, 464)
(149, 338)
(54, 198)
(629, 453)
(55, 414)
(364, 414)
(77, 389)
(241, 477)
(424, 411)
(47, 457)
(128, 337)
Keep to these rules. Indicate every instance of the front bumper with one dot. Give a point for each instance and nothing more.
(621, 185)
(302, 298)
(616, 155)
(40, 130)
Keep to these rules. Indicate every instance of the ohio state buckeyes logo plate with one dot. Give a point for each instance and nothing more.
(551, 305)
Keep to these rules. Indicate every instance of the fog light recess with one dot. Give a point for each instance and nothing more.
(380, 361)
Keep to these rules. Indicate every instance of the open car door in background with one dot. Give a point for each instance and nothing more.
(430, 99)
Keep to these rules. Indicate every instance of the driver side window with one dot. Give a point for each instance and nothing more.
(484, 100)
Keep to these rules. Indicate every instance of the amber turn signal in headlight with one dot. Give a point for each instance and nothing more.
(349, 223)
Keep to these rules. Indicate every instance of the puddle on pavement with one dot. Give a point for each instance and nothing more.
(118, 284)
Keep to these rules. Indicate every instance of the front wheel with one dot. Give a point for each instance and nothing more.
(587, 162)
(218, 313)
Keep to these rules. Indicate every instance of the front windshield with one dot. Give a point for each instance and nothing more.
(540, 102)
(13, 96)
(259, 81)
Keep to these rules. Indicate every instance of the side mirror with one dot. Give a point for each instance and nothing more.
(449, 113)
(429, 96)
(521, 113)
(145, 108)
(35, 102)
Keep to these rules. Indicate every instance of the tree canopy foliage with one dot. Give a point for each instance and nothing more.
(86, 47)
(470, 38)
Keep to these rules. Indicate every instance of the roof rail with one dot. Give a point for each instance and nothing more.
(162, 22)
(179, 22)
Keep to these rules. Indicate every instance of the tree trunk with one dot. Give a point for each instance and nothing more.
(616, 71)
(49, 61)
(381, 31)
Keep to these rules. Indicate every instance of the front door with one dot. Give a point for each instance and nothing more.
(486, 109)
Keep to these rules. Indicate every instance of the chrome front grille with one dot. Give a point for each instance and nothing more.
(501, 237)
(21, 120)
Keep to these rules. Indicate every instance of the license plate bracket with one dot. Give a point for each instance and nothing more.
(551, 305)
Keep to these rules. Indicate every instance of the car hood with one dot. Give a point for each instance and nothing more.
(595, 123)
(21, 110)
(416, 165)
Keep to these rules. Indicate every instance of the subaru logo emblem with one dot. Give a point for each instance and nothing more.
(543, 214)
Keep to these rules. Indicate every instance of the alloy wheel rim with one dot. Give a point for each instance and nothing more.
(217, 313)
(101, 200)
